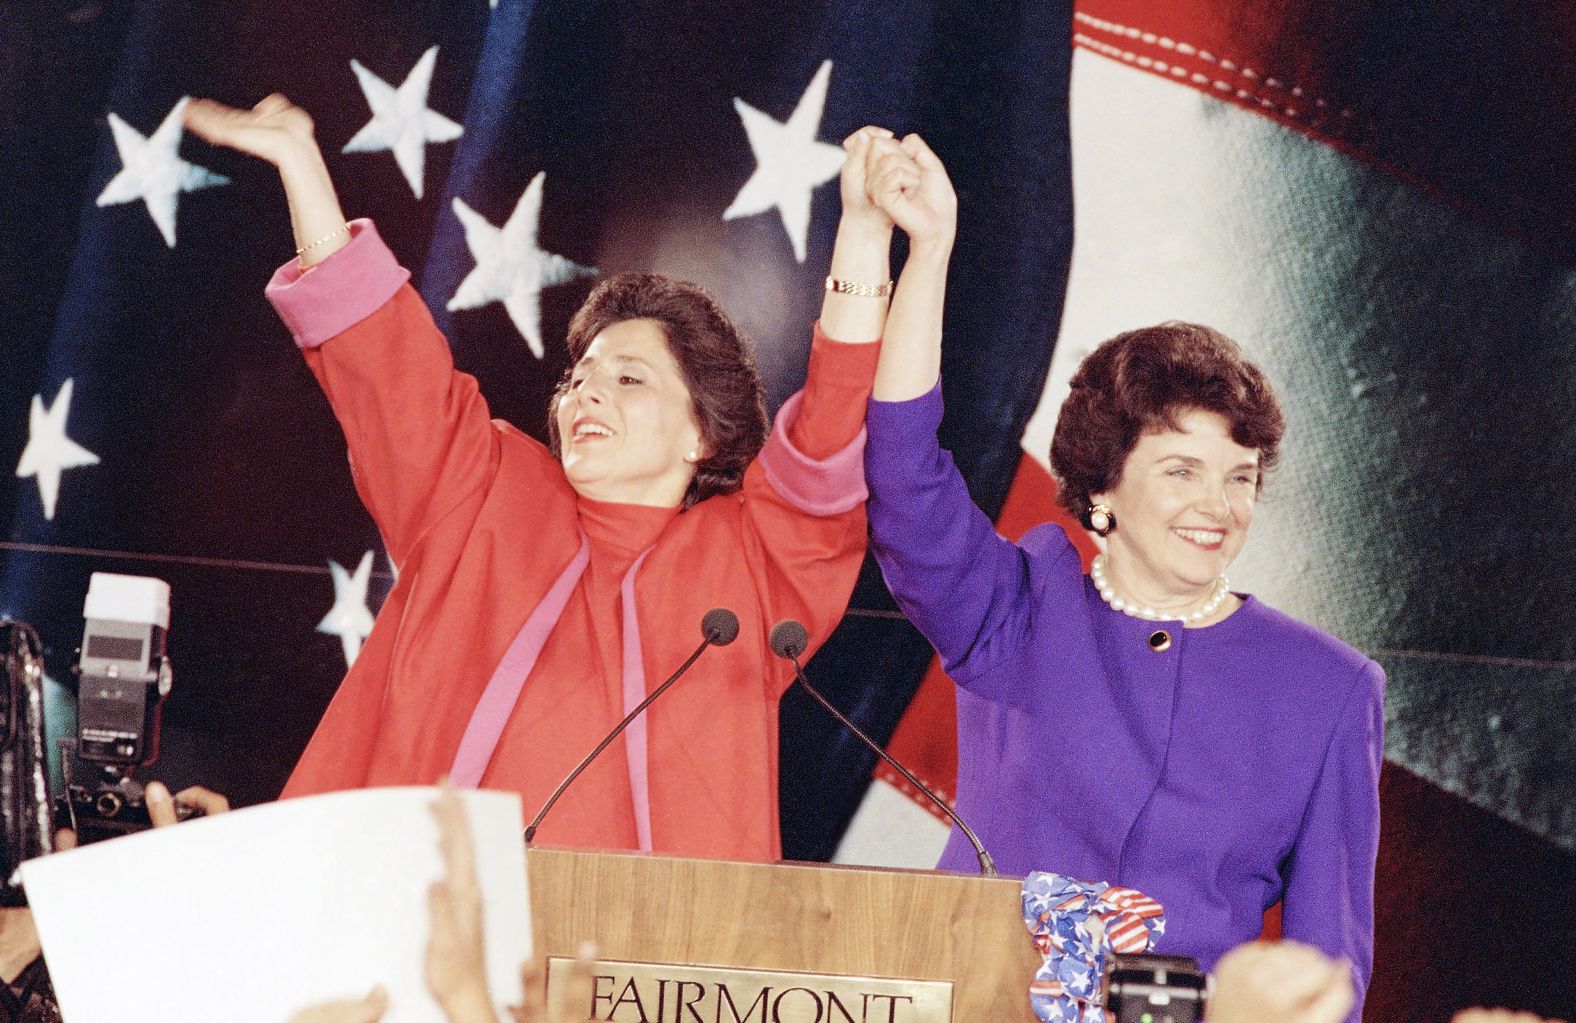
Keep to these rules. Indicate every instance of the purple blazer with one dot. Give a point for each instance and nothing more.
(1237, 767)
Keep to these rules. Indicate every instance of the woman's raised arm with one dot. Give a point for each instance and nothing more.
(953, 576)
(805, 495)
(853, 311)
(280, 132)
(910, 185)
(862, 256)
(418, 432)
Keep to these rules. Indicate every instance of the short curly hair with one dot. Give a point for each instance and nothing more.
(1141, 382)
(715, 357)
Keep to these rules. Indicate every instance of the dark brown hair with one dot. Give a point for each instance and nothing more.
(1142, 382)
(715, 358)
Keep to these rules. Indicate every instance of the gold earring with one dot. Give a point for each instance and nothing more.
(1101, 519)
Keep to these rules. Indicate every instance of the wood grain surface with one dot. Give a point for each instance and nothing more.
(920, 925)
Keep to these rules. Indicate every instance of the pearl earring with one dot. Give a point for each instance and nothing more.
(692, 457)
(1101, 519)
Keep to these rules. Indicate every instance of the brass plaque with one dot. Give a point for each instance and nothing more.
(628, 992)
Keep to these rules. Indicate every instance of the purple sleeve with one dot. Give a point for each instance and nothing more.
(1329, 900)
(961, 584)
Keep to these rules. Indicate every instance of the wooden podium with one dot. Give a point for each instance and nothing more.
(812, 918)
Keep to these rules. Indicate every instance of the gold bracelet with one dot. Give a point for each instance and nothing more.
(838, 287)
(342, 229)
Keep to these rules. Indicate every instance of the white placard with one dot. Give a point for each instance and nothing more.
(255, 914)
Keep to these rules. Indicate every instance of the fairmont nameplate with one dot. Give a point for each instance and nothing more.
(626, 992)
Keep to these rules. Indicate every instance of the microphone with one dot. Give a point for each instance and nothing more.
(789, 640)
(718, 627)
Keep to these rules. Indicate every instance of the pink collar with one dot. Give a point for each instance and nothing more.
(503, 689)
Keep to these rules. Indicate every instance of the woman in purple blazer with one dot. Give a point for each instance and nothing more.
(1144, 725)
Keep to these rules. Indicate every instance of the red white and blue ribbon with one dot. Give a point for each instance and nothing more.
(1057, 910)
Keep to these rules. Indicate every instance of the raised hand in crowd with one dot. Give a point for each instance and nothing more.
(18, 942)
(456, 949)
(1498, 1016)
(456, 952)
(1280, 982)
(577, 991)
(357, 1010)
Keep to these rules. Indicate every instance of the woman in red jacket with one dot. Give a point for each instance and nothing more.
(542, 593)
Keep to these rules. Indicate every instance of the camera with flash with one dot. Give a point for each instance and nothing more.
(123, 678)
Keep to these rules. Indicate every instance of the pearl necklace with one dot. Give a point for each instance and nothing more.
(1217, 596)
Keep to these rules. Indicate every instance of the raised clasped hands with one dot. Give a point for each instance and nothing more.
(859, 210)
(887, 181)
(906, 181)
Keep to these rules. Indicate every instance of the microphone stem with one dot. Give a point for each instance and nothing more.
(987, 865)
(530, 832)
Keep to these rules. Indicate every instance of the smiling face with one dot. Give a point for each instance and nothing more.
(1183, 504)
(626, 424)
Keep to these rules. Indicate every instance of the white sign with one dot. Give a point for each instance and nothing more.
(254, 915)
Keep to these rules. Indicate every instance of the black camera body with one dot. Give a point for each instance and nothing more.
(1155, 989)
(110, 806)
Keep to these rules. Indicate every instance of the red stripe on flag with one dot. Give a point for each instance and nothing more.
(1130, 937)
(1504, 70)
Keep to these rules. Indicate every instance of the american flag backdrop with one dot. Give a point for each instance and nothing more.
(1376, 199)
(161, 423)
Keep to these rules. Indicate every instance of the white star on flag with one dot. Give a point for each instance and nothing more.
(789, 162)
(49, 451)
(349, 618)
(509, 266)
(401, 120)
(151, 170)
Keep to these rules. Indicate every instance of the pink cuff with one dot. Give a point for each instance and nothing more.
(339, 292)
(829, 486)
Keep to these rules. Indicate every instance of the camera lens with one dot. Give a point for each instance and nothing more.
(108, 804)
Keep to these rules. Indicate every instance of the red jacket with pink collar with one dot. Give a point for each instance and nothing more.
(482, 524)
